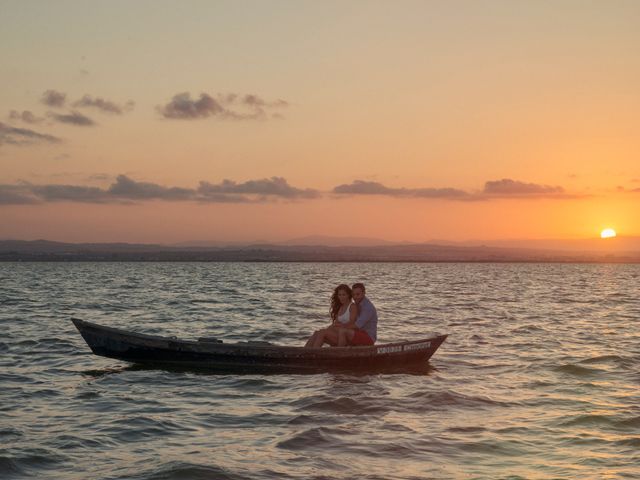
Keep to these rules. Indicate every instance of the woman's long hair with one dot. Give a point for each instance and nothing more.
(335, 301)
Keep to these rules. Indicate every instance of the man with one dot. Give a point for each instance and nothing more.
(362, 331)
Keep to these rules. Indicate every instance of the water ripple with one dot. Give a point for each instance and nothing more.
(538, 378)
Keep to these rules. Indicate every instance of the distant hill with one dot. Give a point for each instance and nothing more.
(323, 240)
(618, 244)
(44, 250)
(591, 245)
(328, 241)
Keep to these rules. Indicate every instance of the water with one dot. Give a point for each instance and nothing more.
(539, 377)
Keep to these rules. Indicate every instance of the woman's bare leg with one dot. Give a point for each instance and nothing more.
(312, 339)
(331, 336)
(328, 335)
(319, 340)
(345, 336)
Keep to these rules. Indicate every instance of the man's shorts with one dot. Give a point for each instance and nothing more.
(360, 337)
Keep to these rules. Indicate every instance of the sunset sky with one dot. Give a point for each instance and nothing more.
(154, 121)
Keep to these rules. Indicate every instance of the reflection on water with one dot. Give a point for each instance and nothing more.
(423, 369)
(538, 378)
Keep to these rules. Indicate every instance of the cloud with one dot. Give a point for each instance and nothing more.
(124, 187)
(621, 189)
(268, 187)
(24, 136)
(104, 105)
(505, 188)
(182, 106)
(125, 190)
(74, 193)
(509, 187)
(256, 101)
(57, 99)
(223, 106)
(16, 195)
(362, 187)
(25, 116)
(53, 98)
(72, 118)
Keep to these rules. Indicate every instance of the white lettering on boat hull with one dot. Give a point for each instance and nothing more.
(391, 349)
(404, 348)
(417, 346)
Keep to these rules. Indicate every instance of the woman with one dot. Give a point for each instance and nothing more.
(343, 312)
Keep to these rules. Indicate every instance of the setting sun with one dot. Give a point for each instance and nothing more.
(608, 233)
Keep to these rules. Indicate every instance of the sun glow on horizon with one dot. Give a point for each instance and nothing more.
(608, 233)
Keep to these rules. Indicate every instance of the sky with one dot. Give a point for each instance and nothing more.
(164, 122)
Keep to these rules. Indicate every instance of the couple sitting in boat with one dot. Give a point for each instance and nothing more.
(354, 320)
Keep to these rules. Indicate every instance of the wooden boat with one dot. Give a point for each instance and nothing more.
(210, 353)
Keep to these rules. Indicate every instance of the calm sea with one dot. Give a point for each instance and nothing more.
(539, 378)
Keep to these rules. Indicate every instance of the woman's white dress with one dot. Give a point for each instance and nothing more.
(345, 317)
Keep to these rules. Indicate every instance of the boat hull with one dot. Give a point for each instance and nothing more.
(172, 352)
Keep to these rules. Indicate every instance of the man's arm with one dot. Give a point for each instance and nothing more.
(353, 313)
(365, 314)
